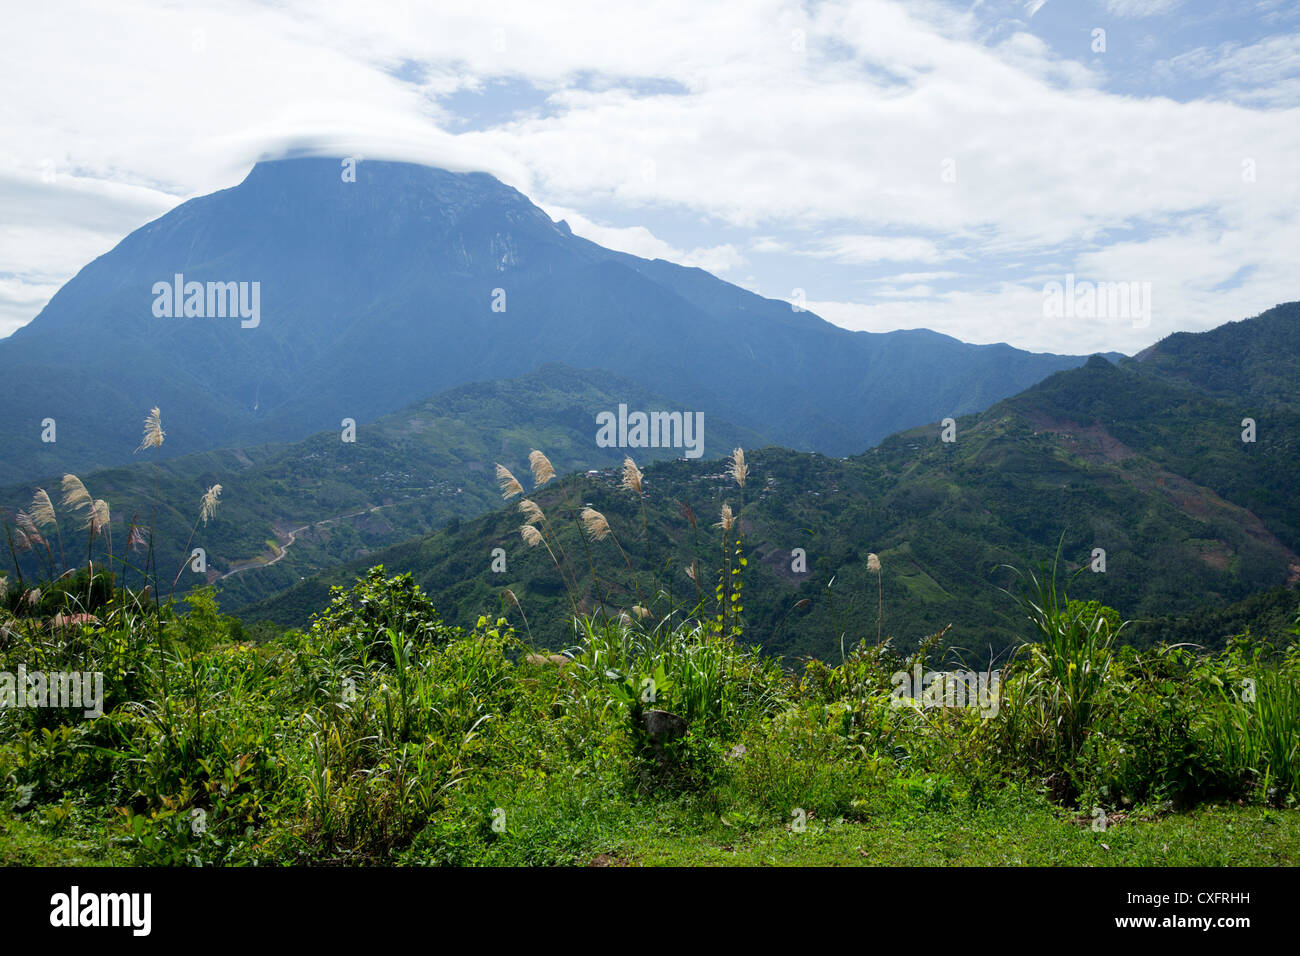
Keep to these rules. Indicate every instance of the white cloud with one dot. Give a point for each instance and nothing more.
(716, 259)
(858, 249)
(1264, 73)
(769, 244)
(916, 277)
(1141, 8)
(1190, 273)
(848, 136)
(640, 241)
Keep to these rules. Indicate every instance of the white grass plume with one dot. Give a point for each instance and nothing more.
(738, 469)
(727, 519)
(541, 468)
(595, 524)
(75, 495)
(153, 430)
(510, 485)
(631, 476)
(208, 504)
(42, 509)
(97, 519)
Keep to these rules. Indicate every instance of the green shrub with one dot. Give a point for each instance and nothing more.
(358, 621)
(799, 760)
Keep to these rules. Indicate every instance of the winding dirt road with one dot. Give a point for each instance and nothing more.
(291, 536)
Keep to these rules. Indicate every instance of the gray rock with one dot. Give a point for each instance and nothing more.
(662, 725)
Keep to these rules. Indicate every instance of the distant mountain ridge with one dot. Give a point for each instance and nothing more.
(376, 293)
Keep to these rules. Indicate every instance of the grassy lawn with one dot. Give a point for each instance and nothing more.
(26, 842)
(1209, 836)
(671, 834)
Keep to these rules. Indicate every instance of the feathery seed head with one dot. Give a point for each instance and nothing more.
(727, 519)
(738, 469)
(97, 518)
(42, 509)
(531, 510)
(510, 485)
(595, 524)
(25, 522)
(208, 504)
(631, 475)
(75, 494)
(873, 563)
(541, 467)
(153, 431)
(530, 534)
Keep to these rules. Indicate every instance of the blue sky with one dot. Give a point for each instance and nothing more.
(892, 165)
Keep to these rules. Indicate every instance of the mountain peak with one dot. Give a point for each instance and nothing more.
(390, 174)
(404, 188)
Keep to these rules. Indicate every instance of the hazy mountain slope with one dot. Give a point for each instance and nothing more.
(1112, 414)
(405, 474)
(1112, 458)
(1251, 360)
(377, 293)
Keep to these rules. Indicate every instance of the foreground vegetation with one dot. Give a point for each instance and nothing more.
(380, 734)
